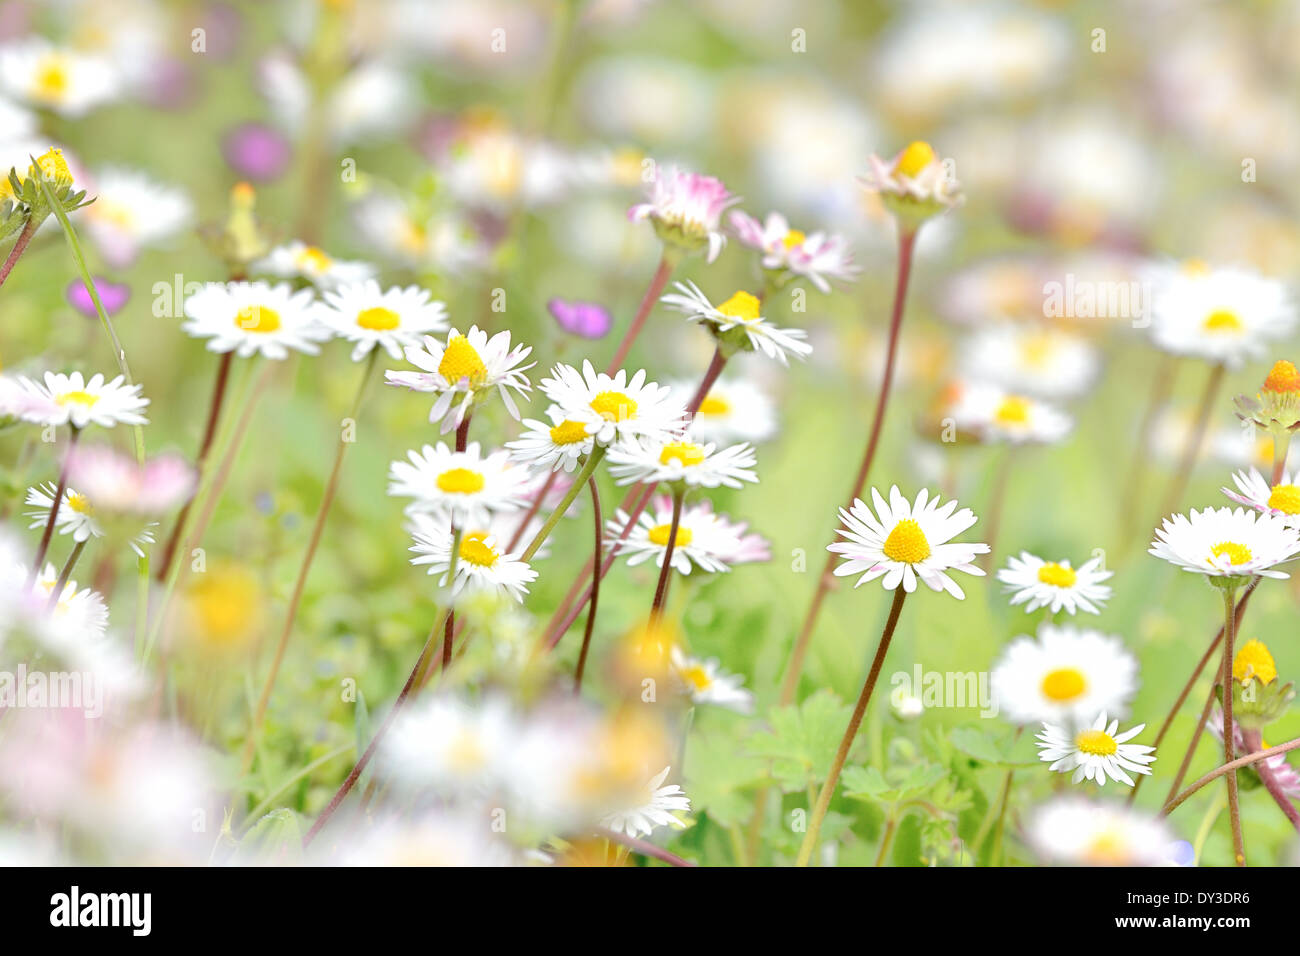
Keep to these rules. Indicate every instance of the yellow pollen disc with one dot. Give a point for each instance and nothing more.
(684, 452)
(465, 753)
(475, 551)
(1285, 498)
(53, 166)
(659, 535)
(793, 238)
(379, 319)
(1064, 683)
(614, 407)
(1221, 320)
(1107, 849)
(714, 405)
(697, 677)
(77, 397)
(461, 361)
(1014, 410)
(257, 318)
(568, 432)
(1037, 349)
(1254, 661)
(1282, 377)
(314, 259)
(915, 158)
(52, 79)
(1195, 267)
(1057, 575)
(460, 481)
(1096, 742)
(1237, 553)
(78, 503)
(741, 306)
(906, 543)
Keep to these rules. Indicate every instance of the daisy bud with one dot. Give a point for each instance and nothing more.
(54, 168)
(1258, 697)
(914, 185)
(1276, 407)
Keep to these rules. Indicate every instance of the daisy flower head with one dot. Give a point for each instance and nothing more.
(1096, 752)
(686, 210)
(1076, 832)
(1281, 500)
(557, 446)
(389, 319)
(1275, 409)
(994, 414)
(915, 184)
(21, 403)
(705, 682)
(733, 410)
(249, 318)
(613, 407)
(738, 323)
(77, 401)
(901, 541)
(69, 82)
(1064, 675)
(118, 484)
(298, 260)
(703, 539)
(790, 253)
(481, 562)
(452, 743)
(1043, 362)
(463, 486)
(1055, 585)
(470, 366)
(680, 458)
(132, 212)
(78, 612)
(1227, 545)
(660, 808)
(78, 517)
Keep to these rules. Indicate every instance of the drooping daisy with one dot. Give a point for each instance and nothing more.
(681, 458)
(298, 260)
(903, 541)
(66, 81)
(818, 256)
(686, 210)
(1077, 832)
(1055, 584)
(703, 538)
(464, 486)
(1096, 752)
(706, 683)
(1034, 360)
(659, 809)
(79, 402)
(77, 517)
(734, 410)
(1281, 500)
(391, 318)
(251, 317)
(916, 183)
(481, 565)
(740, 313)
(132, 212)
(469, 365)
(994, 414)
(613, 407)
(1227, 542)
(1066, 675)
(556, 446)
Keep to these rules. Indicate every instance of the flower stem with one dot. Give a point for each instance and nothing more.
(449, 628)
(1227, 768)
(1226, 680)
(665, 572)
(1254, 741)
(597, 547)
(588, 468)
(1192, 451)
(24, 237)
(44, 546)
(66, 573)
(837, 765)
(652, 293)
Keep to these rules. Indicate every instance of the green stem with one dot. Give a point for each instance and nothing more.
(588, 468)
(64, 575)
(1226, 679)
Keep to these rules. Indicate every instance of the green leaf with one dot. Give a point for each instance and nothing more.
(274, 839)
(803, 739)
(897, 784)
(717, 776)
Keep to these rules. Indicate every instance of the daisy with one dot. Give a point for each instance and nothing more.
(686, 210)
(118, 484)
(703, 538)
(681, 458)
(481, 565)
(66, 81)
(1095, 753)
(298, 260)
(1077, 832)
(1281, 500)
(390, 319)
(470, 365)
(79, 402)
(132, 212)
(904, 541)
(791, 253)
(734, 410)
(1066, 675)
(448, 742)
(995, 414)
(1055, 585)
(77, 516)
(613, 407)
(659, 809)
(741, 312)
(557, 446)
(1043, 362)
(1227, 543)
(915, 183)
(251, 317)
(463, 486)
(80, 611)
(706, 683)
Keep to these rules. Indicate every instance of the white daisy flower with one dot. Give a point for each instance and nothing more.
(686, 209)
(470, 365)
(448, 742)
(1077, 832)
(613, 407)
(706, 683)
(680, 458)
(390, 319)
(817, 257)
(703, 539)
(77, 516)
(916, 179)
(66, 81)
(132, 212)
(251, 317)
(994, 414)
(1281, 500)
(298, 260)
(1055, 584)
(903, 541)
(80, 611)
(734, 410)
(465, 487)
(1066, 675)
(557, 446)
(1096, 752)
(659, 809)
(741, 312)
(1032, 359)
(79, 402)
(1223, 542)
(481, 565)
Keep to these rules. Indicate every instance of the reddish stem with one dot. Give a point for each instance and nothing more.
(652, 293)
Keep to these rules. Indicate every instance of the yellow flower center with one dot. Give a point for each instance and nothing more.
(1107, 849)
(379, 319)
(714, 405)
(568, 432)
(741, 306)
(1064, 683)
(79, 503)
(614, 407)
(52, 79)
(1282, 377)
(312, 259)
(659, 535)
(1222, 320)
(227, 605)
(1254, 661)
(1285, 498)
(1237, 553)
(1195, 267)
(793, 238)
(906, 543)
(54, 168)
(696, 676)
(915, 158)
(460, 481)
(1096, 742)
(474, 550)
(461, 361)
(684, 452)
(1058, 576)
(1037, 349)
(466, 753)
(257, 318)
(1014, 410)
(77, 397)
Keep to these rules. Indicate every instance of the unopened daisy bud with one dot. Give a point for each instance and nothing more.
(1254, 663)
(1276, 408)
(1258, 697)
(914, 185)
(53, 168)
